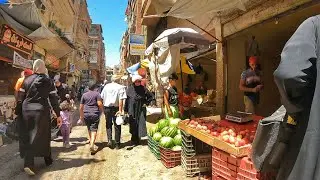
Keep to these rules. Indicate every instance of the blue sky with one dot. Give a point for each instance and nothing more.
(111, 14)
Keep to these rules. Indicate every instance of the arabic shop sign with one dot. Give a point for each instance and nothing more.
(20, 61)
(16, 41)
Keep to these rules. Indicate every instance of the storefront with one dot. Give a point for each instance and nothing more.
(271, 36)
(15, 55)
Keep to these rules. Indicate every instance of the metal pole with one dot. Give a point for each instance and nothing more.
(181, 75)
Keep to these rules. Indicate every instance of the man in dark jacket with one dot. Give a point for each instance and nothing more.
(296, 78)
(62, 89)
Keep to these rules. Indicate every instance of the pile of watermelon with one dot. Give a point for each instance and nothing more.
(167, 134)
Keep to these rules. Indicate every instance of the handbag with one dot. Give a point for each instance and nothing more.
(271, 141)
(120, 119)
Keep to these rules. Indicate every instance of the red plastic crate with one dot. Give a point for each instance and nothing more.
(223, 175)
(170, 158)
(249, 174)
(247, 164)
(217, 167)
(216, 177)
(242, 177)
(225, 164)
(226, 157)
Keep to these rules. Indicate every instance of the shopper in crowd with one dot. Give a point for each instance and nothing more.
(66, 123)
(138, 97)
(24, 74)
(297, 81)
(62, 89)
(171, 98)
(113, 95)
(91, 108)
(251, 85)
(80, 92)
(34, 126)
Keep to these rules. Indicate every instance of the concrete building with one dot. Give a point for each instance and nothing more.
(135, 27)
(96, 51)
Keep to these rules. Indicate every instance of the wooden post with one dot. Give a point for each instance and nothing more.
(220, 70)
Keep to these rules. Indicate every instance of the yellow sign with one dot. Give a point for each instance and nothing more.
(137, 49)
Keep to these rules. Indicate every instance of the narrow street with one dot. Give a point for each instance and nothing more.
(77, 163)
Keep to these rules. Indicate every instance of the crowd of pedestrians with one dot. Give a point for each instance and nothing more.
(41, 99)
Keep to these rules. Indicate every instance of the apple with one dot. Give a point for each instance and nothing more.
(212, 133)
(242, 133)
(204, 127)
(246, 141)
(192, 122)
(237, 143)
(224, 133)
(204, 131)
(192, 126)
(232, 140)
(195, 123)
(233, 134)
(225, 138)
(239, 136)
(247, 130)
(216, 134)
(242, 143)
(208, 131)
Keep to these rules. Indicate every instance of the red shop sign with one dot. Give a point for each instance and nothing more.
(14, 40)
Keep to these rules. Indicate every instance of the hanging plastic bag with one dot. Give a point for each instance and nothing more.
(120, 120)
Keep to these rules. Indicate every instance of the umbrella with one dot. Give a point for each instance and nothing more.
(188, 39)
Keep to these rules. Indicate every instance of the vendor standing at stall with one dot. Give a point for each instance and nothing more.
(251, 85)
(185, 102)
(171, 98)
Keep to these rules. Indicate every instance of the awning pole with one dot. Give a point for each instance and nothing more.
(204, 30)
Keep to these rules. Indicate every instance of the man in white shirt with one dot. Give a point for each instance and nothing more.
(113, 95)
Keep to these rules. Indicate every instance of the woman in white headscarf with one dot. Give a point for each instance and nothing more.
(34, 109)
(137, 98)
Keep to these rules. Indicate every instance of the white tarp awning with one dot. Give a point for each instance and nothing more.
(185, 9)
(25, 19)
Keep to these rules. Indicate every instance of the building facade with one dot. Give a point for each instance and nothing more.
(96, 53)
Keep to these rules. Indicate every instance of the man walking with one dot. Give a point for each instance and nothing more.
(113, 95)
(62, 89)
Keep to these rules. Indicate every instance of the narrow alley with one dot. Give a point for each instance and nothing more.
(77, 163)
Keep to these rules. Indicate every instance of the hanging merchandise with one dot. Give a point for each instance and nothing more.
(142, 72)
(145, 63)
(132, 69)
(186, 66)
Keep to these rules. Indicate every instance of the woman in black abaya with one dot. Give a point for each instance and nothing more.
(137, 99)
(34, 111)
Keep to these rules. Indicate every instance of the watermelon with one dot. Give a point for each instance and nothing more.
(162, 123)
(157, 136)
(166, 142)
(177, 140)
(173, 122)
(178, 131)
(176, 148)
(171, 132)
(164, 131)
(153, 130)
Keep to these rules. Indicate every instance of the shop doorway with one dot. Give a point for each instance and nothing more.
(271, 36)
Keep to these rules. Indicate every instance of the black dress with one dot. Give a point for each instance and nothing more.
(34, 111)
(137, 98)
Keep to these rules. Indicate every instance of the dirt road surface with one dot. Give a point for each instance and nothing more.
(77, 163)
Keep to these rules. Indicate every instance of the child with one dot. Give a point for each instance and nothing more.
(185, 101)
(66, 124)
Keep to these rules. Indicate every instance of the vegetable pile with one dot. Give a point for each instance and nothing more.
(167, 134)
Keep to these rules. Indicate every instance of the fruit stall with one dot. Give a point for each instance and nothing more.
(209, 147)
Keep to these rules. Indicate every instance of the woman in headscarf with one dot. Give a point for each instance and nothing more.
(137, 99)
(34, 109)
(297, 78)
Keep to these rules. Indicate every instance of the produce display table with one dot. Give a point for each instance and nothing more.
(218, 143)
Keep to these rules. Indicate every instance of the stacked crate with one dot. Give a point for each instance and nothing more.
(195, 156)
(154, 147)
(170, 158)
(224, 165)
(229, 167)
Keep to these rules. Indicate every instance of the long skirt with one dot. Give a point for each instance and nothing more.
(138, 127)
(35, 133)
